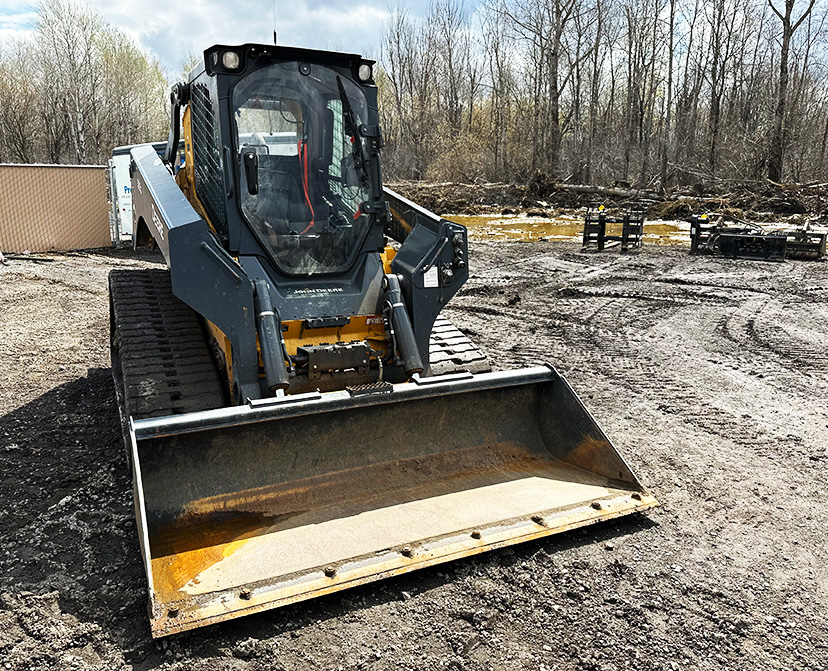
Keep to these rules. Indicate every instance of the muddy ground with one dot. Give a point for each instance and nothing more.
(709, 374)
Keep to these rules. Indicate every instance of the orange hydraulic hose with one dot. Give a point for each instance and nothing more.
(303, 161)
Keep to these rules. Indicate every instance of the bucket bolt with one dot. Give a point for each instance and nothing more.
(475, 534)
(407, 551)
(172, 612)
(245, 594)
(537, 519)
(330, 571)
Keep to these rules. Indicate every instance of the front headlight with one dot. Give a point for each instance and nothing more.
(230, 60)
(364, 72)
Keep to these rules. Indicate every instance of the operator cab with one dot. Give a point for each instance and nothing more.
(298, 152)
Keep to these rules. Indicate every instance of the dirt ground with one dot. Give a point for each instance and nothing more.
(709, 374)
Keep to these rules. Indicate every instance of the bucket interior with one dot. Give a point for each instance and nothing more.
(282, 509)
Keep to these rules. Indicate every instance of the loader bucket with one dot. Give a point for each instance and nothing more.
(248, 508)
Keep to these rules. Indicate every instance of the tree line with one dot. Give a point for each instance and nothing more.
(654, 93)
(76, 89)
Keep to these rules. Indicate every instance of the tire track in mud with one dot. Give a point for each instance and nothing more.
(577, 316)
(614, 335)
(726, 574)
(771, 327)
(649, 376)
(804, 346)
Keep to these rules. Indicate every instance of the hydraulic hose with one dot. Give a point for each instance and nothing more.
(401, 322)
(269, 329)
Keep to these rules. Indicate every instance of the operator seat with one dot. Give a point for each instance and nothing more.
(281, 201)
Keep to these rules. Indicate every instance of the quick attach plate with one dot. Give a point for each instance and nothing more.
(338, 356)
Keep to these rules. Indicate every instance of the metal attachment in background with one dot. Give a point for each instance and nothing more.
(806, 244)
(595, 236)
(752, 241)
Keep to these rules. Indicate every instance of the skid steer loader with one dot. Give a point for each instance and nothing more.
(298, 417)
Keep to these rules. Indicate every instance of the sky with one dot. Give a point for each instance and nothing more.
(172, 30)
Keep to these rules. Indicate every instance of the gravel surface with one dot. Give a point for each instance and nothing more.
(709, 375)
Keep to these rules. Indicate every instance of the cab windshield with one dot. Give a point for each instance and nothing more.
(311, 181)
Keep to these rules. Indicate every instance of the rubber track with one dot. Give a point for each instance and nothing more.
(159, 347)
(450, 351)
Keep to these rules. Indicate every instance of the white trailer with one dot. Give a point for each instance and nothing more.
(120, 192)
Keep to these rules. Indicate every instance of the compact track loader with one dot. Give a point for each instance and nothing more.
(298, 417)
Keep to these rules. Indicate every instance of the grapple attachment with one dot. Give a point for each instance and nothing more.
(248, 508)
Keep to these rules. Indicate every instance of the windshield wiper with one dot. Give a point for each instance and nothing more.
(352, 128)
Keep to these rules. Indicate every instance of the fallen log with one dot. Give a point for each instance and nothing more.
(612, 192)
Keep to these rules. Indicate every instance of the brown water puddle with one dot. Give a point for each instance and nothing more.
(532, 229)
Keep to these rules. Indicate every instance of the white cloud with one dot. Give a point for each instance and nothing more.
(173, 30)
(16, 15)
(15, 7)
(16, 22)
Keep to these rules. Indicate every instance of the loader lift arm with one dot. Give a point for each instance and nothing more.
(202, 273)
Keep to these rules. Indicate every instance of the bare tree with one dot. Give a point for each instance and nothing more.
(667, 135)
(410, 66)
(18, 107)
(665, 92)
(76, 89)
(776, 152)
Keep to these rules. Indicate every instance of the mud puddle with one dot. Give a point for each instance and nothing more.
(567, 227)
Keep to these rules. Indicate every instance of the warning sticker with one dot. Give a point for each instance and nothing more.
(431, 279)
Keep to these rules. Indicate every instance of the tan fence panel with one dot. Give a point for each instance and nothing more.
(46, 208)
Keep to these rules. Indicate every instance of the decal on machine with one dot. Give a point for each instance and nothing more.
(431, 278)
(156, 221)
(323, 290)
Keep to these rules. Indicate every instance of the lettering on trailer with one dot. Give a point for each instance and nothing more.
(125, 200)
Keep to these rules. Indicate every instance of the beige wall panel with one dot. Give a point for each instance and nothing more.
(47, 208)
